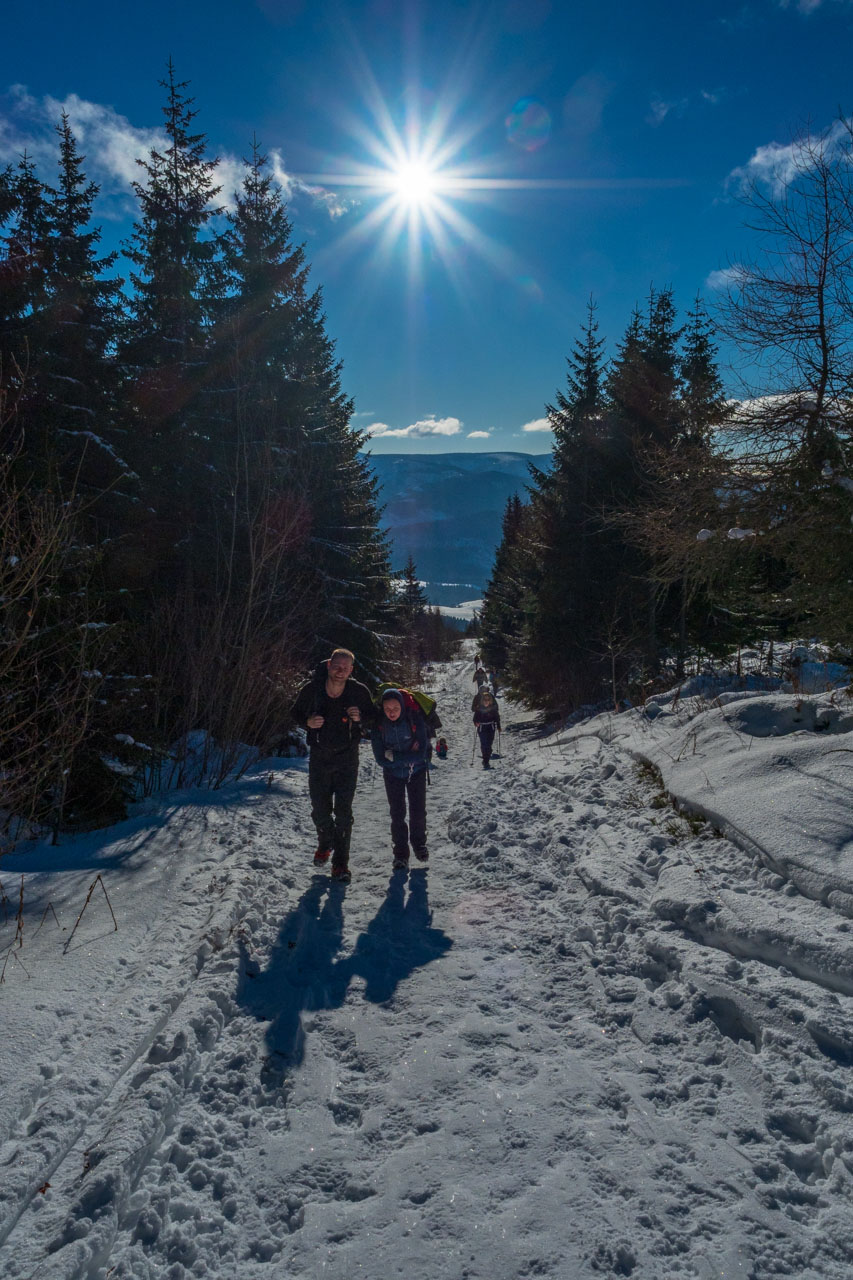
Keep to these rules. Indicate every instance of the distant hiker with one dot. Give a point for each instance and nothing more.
(441, 748)
(401, 746)
(493, 681)
(478, 661)
(481, 677)
(487, 718)
(333, 708)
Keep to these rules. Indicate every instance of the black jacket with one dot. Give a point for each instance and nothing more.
(339, 735)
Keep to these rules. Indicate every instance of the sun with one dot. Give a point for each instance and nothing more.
(414, 182)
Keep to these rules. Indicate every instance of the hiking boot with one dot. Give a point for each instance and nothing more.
(400, 856)
(486, 764)
(322, 856)
(341, 874)
(422, 855)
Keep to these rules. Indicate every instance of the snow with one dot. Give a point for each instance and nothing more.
(464, 611)
(598, 1037)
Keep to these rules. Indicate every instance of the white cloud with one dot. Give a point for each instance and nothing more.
(334, 204)
(429, 426)
(108, 140)
(773, 165)
(479, 435)
(112, 145)
(538, 424)
(776, 164)
(228, 177)
(726, 278)
(802, 6)
(659, 110)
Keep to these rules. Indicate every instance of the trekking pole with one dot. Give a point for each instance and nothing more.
(474, 744)
(500, 744)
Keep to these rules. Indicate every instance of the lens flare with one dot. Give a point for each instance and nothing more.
(528, 125)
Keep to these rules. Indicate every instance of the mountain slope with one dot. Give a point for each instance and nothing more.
(445, 510)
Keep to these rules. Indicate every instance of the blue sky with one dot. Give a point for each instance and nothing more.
(571, 149)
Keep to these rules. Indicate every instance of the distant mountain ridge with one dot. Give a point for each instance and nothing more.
(445, 509)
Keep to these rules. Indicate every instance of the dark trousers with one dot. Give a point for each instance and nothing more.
(331, 786)
(487, 737)
(397, 789)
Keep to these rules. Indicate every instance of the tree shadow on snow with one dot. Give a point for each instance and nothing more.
(307, 972)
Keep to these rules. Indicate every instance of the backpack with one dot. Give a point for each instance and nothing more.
(415, 698)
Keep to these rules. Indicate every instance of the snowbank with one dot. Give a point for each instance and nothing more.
(773, 771)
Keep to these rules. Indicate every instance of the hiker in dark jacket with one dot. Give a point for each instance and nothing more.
(487, 718)
(333, 708)
(401, 746)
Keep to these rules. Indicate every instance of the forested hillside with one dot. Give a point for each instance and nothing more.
(677, 519)
(187, 521)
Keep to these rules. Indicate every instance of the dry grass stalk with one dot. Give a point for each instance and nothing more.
(97, 880)
(49, 907)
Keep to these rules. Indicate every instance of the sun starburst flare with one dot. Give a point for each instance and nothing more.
(417, 176)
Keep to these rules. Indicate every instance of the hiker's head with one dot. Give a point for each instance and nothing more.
(341, 664)
(392, 704)
(486, 698)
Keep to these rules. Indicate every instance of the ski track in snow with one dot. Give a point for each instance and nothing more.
(593, 1039)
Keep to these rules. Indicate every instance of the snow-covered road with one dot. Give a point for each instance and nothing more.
(594, 1039)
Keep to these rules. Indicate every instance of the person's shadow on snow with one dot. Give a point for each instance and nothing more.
(398, 940)
(306, 971)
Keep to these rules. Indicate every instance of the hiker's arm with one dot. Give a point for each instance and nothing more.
(361, 710)
(420, 745)
(301, 709)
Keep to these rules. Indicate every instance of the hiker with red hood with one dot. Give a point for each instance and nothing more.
(400, 744)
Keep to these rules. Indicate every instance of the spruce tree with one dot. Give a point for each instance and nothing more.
(501, 617)
(57, 324)
(349, 549)
(77, 331)
(282, 383)
(22, 302)
(645, 417)
(704, 404)
(261, 503)
(680, 483)
(572, 570)
(7, 194)
(164, 351)
(412, 599)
